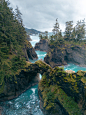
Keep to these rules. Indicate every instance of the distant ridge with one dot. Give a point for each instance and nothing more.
(32, 31)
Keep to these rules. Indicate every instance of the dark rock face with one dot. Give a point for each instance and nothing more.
(15, 85)
(13, 88)
(72, 90)
(59, 109)
(42, 45)
(25, 54)
(31, 52)
(60, 93)
(62, 55)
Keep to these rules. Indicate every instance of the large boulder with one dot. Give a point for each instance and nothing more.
(31, 51)
(42, 45)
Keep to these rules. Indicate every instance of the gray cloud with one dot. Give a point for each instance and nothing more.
(41, 14)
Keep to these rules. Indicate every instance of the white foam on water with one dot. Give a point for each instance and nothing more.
(33, 89)
(41, 55)
(17, 105)
(40, 76)
(10, 102)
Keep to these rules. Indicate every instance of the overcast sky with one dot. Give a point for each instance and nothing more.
(41, 14)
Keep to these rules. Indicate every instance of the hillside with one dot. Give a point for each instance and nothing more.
(32, 31)
(15, 50)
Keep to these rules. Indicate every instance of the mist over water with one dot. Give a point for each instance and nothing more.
(28, 102)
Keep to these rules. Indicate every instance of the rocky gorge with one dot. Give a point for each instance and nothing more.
(13, 86)
(75, 92)
(59, 92)
(62, 54)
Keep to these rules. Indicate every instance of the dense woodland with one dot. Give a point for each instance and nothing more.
(12, 41)
(73, 34)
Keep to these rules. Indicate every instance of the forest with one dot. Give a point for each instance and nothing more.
(72, 35)
(12, 41)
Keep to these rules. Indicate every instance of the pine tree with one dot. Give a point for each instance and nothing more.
(56, 30)
(68, 30)
(80, 30)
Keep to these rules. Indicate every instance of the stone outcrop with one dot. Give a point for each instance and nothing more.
(59, 110)
(63, 54)
(31, 51)
(42, 45)
(17, 84)
(13, 86)
(60, 93)
(25, 53)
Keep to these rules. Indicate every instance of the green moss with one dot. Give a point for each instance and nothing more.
(55, 92)
(42, 65)
(80, 74)
(83, 80)
(28, 44)
(52, 92)
(2, 88)
(68, 103)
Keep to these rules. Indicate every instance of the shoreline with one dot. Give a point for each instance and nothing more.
(1, 107)
(14, 97)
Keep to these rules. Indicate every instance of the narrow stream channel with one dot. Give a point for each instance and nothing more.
(28, 102)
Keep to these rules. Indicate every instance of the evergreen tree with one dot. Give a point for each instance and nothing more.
(73, 34)
(56, 30)
(18, 15)
(68, 30)
(80, 30)
(46, 34)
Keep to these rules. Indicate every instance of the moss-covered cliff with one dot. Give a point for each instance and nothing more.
(13, 85)
(66, 53)
(62, 93)
(15, 50)
(59, 92)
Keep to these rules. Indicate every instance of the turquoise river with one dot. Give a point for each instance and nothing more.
(28, 102)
